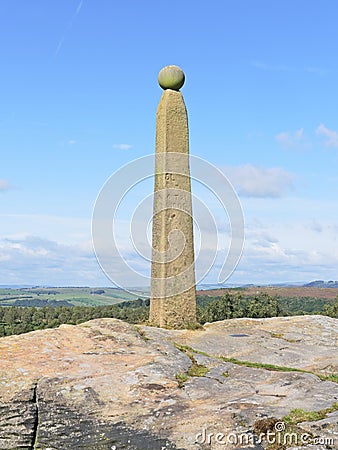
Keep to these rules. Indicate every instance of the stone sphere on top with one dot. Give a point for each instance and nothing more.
(171, 77)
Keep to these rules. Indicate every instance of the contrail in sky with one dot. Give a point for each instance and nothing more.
(67, 30)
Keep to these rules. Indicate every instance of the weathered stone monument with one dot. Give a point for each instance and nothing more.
(173, 291)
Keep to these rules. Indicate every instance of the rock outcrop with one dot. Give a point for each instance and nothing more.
(106, 384)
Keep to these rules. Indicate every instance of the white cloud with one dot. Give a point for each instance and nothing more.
(314, 225)
(122, 146)
(70, 230)
(51, 250)
(331, 135)
(289, 139)
(34, 260)
(254, 181)
(4, 185)
(300, 250)
(275, 251)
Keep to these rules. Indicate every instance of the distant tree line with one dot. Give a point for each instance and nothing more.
(239, 304)
(37, 302)
(18, 319)
(331, 310)
(236, 306)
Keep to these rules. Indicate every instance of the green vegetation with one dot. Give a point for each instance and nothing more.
(141, 333)
(232, 306)
(181, 378)
(23, 310)
(329, 377)
(79, 296)
(17, 320)
(194, 326)
(190, 352)
(332, 310)
(235, 304)
(255, 365)
(195, 370)
(299, 415)
(277, 335)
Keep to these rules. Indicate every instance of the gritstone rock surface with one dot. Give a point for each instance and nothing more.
(106, 384)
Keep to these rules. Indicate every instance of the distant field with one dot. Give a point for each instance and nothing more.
(77, 296)
(283, 292)
(84, 296)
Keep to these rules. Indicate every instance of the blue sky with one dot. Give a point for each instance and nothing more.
(78, 101)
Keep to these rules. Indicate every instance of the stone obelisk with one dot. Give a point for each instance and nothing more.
(173, 290)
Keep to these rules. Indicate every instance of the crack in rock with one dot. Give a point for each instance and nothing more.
(35, 401)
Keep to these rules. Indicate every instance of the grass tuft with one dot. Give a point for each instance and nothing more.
(141, 333)
(193, 326)
(265, 366)
(330, 377)
(255, 365)
(181, 378)
(299, 415)
(197, 370)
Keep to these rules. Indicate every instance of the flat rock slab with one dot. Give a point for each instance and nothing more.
(304, 342)
(106, 384)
